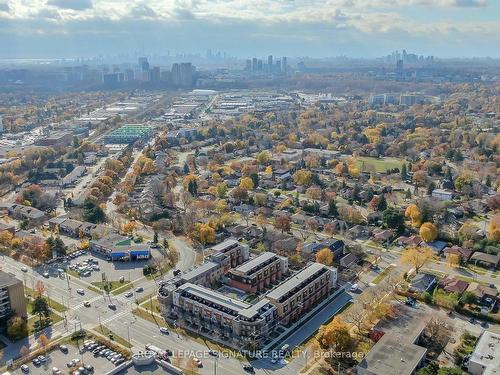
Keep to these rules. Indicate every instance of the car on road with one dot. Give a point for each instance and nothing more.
(24, 269)
(80, 291)
(46, 275)
(86, 303)
(484, 324)
(112, 306)
(164, 330)
(63, 348)
(139, 289)
(25, 369)
(198, 362)
(129, 294)
(249, 368)
(213, 353)
(176, 272)
(354, 287)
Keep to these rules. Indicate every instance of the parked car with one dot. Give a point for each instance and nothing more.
(86, 303)
(249, 368)
(63, 348)
(24, 269)
(164, 330)
(25, 369)
(354, 287)
(129, 294)
(46, 275)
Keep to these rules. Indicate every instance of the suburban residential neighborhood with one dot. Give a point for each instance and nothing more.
(225, 228)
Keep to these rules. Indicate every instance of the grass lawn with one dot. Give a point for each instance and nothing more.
(381, 165)
(73, 273)
(164, 269)
(59, 307)
(150, 317)
(151, 305)
(116, 286)
(103, 330)
(382, 275)
(53, 316)
(476, 269)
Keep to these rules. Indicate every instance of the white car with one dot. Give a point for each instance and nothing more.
(80, 291)
(164, 330)
(46, 275)
(25, 369)
(354, 287)
(24, 269)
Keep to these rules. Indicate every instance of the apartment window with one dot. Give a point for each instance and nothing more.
(259, 276)
(285, 308)
(265, 272)
(310, 289)
(271, 268)
(322, 281)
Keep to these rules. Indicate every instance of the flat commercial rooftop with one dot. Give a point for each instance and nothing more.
(487, 353)
(391, 356)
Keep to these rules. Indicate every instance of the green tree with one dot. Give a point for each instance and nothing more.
(393, 218)
(41, 308)
(431, 369)
(382, 203)
(92, 212)
(404, 172)
(332, 209)
(17, 327)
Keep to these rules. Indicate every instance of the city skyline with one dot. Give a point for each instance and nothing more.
(58, 29)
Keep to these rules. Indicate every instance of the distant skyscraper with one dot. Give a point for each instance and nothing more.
(248, 65)
(284, 66)
(209, 54)
(176, 74)
(399, 67)
(1, 123)
(155, 74)
(259, 65)
(186, 74)
(143, 63)
(277, 66)
(129, 75)
(270, 63)
(254, 64)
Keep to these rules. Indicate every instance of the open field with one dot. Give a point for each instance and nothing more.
(380, 165)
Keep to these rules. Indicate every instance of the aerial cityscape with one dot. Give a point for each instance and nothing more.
(270, 187)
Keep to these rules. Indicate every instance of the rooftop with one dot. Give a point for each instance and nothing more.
(487, 353)
(391, 356)
(256, 262)
(212, 296)
(8, 279)
(295, 281)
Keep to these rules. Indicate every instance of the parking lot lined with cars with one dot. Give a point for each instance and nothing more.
(69, 359)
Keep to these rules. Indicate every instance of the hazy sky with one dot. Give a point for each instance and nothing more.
(72, 28)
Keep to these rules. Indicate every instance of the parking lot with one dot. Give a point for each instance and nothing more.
(59, 360)
(93, 271)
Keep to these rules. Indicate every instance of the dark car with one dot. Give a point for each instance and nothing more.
(176, 272)
(248, 368)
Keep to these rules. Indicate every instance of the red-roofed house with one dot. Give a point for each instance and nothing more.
(452, 285)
